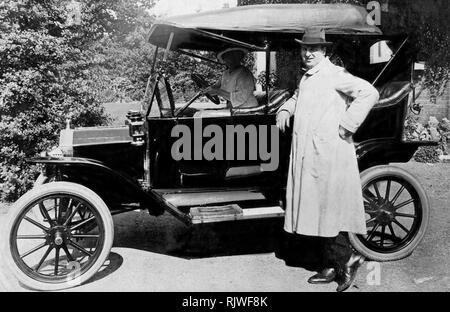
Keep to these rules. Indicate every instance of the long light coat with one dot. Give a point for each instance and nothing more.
(323, 194)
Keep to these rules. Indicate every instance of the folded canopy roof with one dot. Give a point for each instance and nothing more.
(264, 22)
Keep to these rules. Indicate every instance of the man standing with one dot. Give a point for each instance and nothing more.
(323, 194)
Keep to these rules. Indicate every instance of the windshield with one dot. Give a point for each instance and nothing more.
(171, 86)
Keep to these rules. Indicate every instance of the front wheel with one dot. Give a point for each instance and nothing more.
(59, 236)
(397, 214)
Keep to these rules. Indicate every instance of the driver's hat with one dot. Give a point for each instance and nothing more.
(223, 52)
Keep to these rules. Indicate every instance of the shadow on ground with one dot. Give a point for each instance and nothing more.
(167, 235)
(111, 265)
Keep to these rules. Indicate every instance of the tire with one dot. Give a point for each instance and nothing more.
(383, 211)
(79, 212)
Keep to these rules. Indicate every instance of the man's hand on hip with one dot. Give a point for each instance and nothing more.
(344, 133)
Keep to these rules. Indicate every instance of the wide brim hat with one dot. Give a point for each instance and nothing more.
(223, 52)
(313, 37)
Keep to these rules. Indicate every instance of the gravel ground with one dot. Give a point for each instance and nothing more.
(155, 254)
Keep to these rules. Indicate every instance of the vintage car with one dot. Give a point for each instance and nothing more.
(60, 233)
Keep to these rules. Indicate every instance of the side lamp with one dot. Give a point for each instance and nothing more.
(135, 122)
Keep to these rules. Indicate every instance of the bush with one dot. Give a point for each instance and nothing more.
(432, 131)
(42, 82)
(427, 154)
(273, 80)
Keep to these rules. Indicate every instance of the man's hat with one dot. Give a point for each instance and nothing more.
(222, 53)
(314, 36)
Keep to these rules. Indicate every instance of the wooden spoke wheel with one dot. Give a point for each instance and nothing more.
(59, 234)
(397, 213)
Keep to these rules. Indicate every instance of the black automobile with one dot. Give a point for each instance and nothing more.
(60, 233)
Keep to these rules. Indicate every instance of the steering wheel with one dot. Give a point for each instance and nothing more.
(202, 84)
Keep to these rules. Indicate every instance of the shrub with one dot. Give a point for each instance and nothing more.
(432, 131)
(42, 82)
(427, 154)
(273, 80)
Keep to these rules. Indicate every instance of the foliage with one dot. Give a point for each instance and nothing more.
(432, 131)
(427, 26)
(273, 80)
(427, 154)
(414, 130)
(45, 76)
(120, 54)
(121, 68)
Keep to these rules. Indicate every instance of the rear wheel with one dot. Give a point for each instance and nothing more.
(397, 213)
(59, 235)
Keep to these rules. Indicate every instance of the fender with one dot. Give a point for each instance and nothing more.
(383, 151)
(108, 183)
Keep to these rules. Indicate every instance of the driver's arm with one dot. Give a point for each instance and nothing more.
(214, 88)
(225, 94)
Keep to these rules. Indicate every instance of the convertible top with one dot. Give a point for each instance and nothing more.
(266, 23)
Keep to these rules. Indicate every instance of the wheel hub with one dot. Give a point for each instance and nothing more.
(385, 217)
(58, 239)
(385, 212)
(58, 236)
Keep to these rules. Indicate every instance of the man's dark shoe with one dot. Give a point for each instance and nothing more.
(346, 276)
(323, 277)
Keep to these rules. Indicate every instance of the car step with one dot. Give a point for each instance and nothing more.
(191, 199)
(211, 214)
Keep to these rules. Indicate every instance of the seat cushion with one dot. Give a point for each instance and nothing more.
(393, 92)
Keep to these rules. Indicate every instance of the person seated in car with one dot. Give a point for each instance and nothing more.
(237, 83)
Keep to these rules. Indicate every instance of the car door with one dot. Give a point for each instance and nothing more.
(266, 151)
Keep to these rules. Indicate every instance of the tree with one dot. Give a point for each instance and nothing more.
(45, 75)
(426, 22)
(121, 62)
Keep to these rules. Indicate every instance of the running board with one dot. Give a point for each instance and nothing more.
(232, 213)
(195, 206)
(201, 198)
